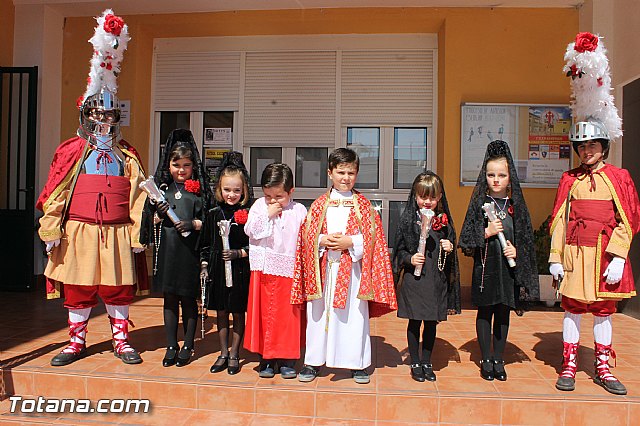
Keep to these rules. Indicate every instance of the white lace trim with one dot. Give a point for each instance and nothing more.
(271, 263)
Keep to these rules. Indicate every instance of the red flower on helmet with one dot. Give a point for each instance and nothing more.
(80, 101)
(192, 186)
(113, 24)
(241, 217)
(586, 42)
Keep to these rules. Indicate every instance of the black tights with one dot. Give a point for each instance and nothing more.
(223, 332)
(189, 318)
(428, 340)
(500, 314)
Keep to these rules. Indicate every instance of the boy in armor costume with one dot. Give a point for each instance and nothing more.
(595, 216)
(92, 207)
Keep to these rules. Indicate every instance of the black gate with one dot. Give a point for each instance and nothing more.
(18, 110)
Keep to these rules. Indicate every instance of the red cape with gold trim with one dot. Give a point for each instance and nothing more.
(65, 158)
(625, 197)
(376, 280)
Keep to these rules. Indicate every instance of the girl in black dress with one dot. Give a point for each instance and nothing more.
(232, 194)
(496, 287)
(180, 174)
(436, 292)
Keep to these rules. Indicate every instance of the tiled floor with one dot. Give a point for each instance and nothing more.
(32, 330)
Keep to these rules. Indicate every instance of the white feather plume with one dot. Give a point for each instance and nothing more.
(591, 87)
(108, 52)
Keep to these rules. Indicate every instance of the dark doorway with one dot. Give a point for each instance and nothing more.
(18, 109)
(631, 162)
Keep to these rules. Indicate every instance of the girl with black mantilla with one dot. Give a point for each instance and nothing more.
(496, 287)
(180, 173)
(233, 198)
(436, 292)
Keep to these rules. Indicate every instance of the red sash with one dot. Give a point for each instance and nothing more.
(587, 220)
(101, 201)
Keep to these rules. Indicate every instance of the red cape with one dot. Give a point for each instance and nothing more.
(625, 197)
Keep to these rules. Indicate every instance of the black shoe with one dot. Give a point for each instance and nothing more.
(184, 357)
(498, 370)
(486, 369)
(129, 357)
(308, 373)
(287, 372)
(170, 356)
(613, 386)
(64, 358)
(360, 376)
(427, 368)
(221, 364)
(417, 373)
(566, 383)
(267, 370)
(235, 368)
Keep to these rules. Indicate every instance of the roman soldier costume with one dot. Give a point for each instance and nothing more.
(596, 213)
(92, 206)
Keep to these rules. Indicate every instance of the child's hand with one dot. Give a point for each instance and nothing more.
(493, 228)
(509, 251)
(274, 209)
(339, 242)
(162, 209)
(417, 259)
(446, 245)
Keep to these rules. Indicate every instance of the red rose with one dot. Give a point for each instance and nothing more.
(193, 186)
(436, 224)
(241, 217)
(113, 24)
(586, 42)
(80, 101)
(444, 219)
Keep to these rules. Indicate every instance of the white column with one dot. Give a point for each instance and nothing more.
(38, 42)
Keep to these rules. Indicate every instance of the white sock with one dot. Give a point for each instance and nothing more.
(79, 315)
(120, 312)
(571, 327)
(602, 330)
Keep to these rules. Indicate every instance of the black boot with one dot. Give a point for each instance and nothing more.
(427, 368)
(498, 370)
(486, 369)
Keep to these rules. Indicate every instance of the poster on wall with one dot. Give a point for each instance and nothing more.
(217, 136)
(212, 161)
(538, 136)
(549, 146)
(482, 124)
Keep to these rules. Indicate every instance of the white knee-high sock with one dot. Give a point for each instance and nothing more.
(571, 327)
(602, 330)
(79, 315)
(118, 312)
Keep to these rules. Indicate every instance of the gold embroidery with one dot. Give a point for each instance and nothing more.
(347, 202)
(53, 233)
(555, 251)
(620, 243)
(61, 187)
(616, 200)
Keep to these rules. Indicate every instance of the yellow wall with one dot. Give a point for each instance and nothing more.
(485, 55)
(7, 12)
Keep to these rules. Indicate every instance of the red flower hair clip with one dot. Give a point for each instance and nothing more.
(241, 216)
(192, 186)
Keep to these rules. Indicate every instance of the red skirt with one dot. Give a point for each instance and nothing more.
(275, 327)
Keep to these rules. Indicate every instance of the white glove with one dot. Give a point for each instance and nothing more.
(614, 270)
(137, 250)
(51, 244)
(556, 270)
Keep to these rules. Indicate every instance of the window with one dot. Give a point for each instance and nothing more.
(409, 155)
(311, 167)
(260, 158)
(365, 141)
(395, 210)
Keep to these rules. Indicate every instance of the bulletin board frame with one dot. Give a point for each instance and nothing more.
(537, 134)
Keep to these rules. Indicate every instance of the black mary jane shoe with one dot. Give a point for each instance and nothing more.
(427, 368)
(417, 373)
(486, 369)
(170, 356)
(233, 369)
(220, 365)
(499, 372)
(184, 356)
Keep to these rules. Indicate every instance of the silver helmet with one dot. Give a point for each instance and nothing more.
(100, 115)
(588, 130)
